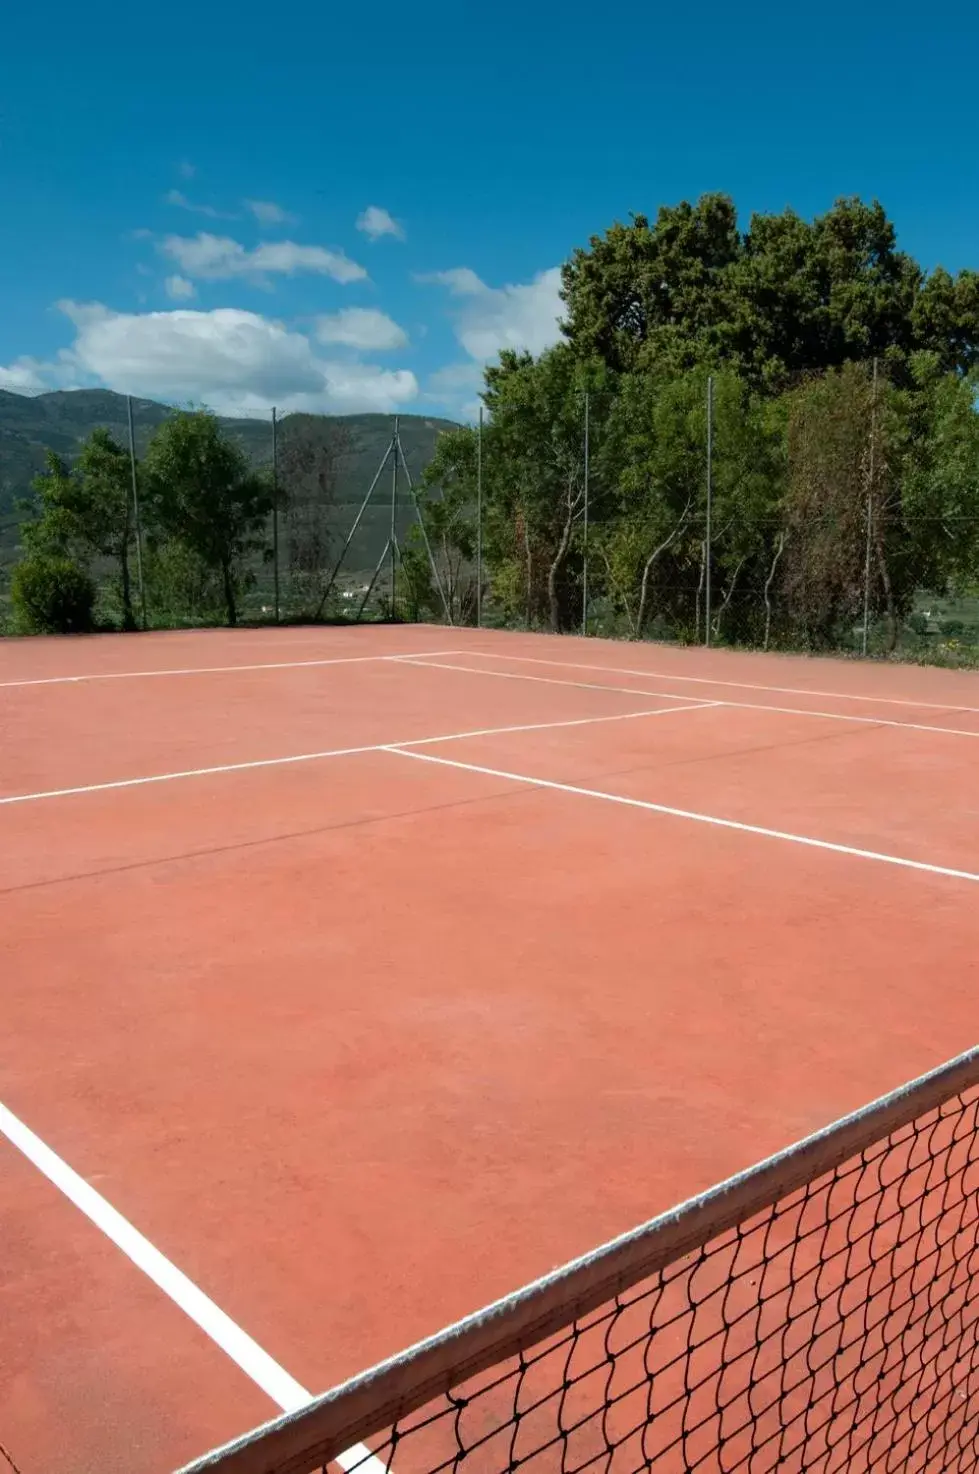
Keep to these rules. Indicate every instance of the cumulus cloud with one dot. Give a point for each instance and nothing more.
(364, 328)
(522, 316)
(23, 376)
(267, 212)
(179, 288)
(181, 202)
(237, 362)
(219, 258)
(375, 222)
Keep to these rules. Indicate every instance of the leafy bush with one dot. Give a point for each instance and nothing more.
(52, 595)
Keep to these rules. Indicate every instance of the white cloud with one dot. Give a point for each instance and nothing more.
(179, 288)
(522, 316)
(237, 362)
(23, 376)
(186, 170)
(361, 327)
(461, 281)
(375, 222)
(218, 258)
(267, 212)
(176, 198)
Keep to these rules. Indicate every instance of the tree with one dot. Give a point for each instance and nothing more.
(87, 511)
(536, 445)
(941, 477)
(785, 298)
(658, 285)
(52, 594)
(653, 543)
(847, 541)
(205, 496)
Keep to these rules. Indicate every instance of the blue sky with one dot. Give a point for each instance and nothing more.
(346, 207)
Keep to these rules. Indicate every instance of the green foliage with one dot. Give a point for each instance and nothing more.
(86, 512)
(204, 495)
(52, 595)
(786, 297)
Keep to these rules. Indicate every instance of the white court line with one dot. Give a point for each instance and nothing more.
(208, 670)
(274, 1380)
(509, 675)
(692, 815)
(312, 757)
(790, 711)
(660, 675)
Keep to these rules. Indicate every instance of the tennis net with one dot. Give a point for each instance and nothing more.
(819, 1312)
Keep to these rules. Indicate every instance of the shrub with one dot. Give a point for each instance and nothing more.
(52, 595)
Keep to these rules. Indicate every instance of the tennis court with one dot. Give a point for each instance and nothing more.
(353, 978)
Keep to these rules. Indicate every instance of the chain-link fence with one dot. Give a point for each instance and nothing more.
(820, 534)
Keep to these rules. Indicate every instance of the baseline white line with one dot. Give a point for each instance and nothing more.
(660, 675)
(790, 711)
(312, 757)
(244, 1351)
(208, 670)
(692, 815)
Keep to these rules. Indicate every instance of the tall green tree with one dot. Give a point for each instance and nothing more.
(786, 297)
(535, 443)
(86, 511)
(653, 544)
(206, 496)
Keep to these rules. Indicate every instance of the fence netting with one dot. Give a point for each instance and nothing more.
(832, 1328)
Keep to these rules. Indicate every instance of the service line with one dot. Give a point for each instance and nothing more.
(313, 757)
(790, 711)
(691, 815)
(660, 675)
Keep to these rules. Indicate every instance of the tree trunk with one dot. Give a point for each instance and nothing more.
(700, 587)
(779, 549)
(229, 593)
(555, 568)
(727, 598)
(647, 569)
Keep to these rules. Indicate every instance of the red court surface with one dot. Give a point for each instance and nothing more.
(359, 1039)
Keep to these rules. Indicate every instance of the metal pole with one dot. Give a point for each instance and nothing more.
(139, 533)
(870, 517)
(350, 536)
(479, 521)
(584, 564)
(396, 444)
(710, 508)
(275, 512)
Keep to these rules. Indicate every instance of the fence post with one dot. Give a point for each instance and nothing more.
(584, 560)
(136, 521)
(479, 521)
(275, 513)
(396, 443)
(870, 517)
(710, 493)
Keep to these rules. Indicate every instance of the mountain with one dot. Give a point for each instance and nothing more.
(332, 458)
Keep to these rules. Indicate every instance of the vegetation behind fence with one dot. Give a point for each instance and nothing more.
(765, 437)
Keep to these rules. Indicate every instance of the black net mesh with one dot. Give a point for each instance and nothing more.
(835, 1330)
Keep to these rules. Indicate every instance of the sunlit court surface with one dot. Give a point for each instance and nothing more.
(352, 978)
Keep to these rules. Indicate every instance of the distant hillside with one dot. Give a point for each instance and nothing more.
(321, 456)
